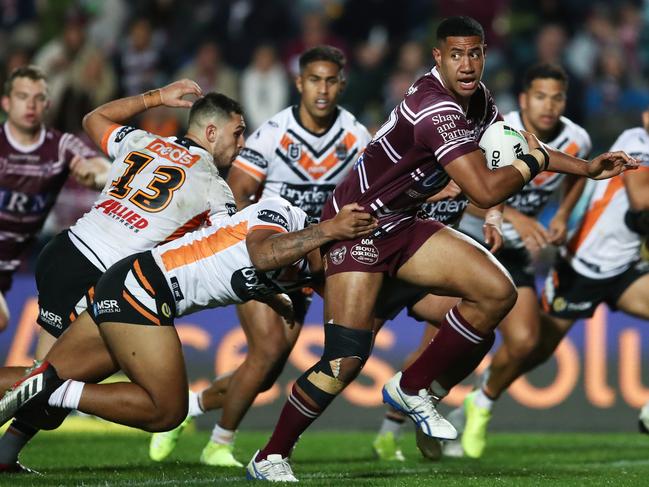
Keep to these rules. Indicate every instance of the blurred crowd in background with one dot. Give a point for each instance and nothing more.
(97, 50)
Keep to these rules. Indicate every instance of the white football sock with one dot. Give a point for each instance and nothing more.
(222, 436)
(67, 395)
(484, 401)
(195, 406)
(389, 425)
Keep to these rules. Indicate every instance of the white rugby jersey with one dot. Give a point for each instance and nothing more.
(532, 198)
(211, 266)
(603, 246)
(158, 189)
(298, 165)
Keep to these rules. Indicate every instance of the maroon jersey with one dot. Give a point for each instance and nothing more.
(404, 163)
(30, 180)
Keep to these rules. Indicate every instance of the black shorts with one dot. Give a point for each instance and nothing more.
(134, 291)
(65, 279)
(569, 295)
(396, 295)
(301, 300)
(6, 278)
(518, 263)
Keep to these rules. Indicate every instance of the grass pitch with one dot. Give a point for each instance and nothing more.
(109, 456)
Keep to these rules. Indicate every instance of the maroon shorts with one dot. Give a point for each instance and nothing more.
(385, 254)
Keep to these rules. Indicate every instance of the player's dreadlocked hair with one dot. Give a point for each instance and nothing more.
(214, 105)
(460, 26)
(322, 53)
(34, 73)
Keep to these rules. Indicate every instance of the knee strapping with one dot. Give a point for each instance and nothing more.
(345, 352)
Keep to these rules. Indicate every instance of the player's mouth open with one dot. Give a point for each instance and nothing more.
(467, 84)
(321, 103)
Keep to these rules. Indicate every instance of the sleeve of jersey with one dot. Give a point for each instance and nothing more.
(74, 146)
(493, 115)
(630, 144)
(114, 143)
(444, 130)
(271, 215)
(253, 158)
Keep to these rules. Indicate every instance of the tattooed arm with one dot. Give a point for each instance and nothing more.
(269, 250)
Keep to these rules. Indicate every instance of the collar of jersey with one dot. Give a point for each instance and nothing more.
(24, 148)
(187, 143)
(295, 111)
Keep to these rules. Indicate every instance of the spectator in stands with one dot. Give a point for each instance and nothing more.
(64, 56)
(210, 72)
(138, 62)
(264, 86)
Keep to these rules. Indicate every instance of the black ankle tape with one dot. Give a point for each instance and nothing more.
(23, 427)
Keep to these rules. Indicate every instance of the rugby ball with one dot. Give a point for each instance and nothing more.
(502, 144)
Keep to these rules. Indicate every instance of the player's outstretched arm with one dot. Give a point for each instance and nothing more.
(91, 172)
(484, 187)
(604, 166)
(97, 122)
(269, 250)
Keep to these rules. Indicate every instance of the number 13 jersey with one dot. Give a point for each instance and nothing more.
(158, 189)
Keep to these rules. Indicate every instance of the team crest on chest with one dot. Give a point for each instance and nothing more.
(338, 255)
(341, 151)
(294, 151)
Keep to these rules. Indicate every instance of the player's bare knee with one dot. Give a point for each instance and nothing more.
(497, 296)
(166, 418)
(492, 286)
(272, 348)
(524, 346)
(345, 352)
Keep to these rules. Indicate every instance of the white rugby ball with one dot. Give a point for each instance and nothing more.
(502, 144)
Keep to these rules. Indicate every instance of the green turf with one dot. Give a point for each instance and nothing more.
(326, 458)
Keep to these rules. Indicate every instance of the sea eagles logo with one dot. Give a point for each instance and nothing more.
(338, 255)
(294, 151)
